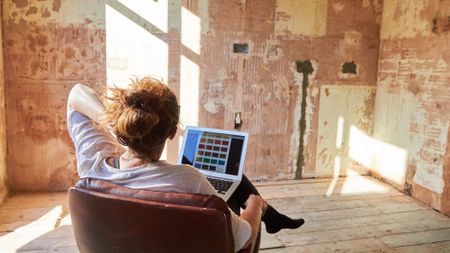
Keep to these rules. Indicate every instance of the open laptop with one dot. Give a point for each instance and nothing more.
(218, 154)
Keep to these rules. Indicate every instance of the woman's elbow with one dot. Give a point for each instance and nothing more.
(72, 94)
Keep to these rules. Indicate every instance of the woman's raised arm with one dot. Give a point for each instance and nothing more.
(85, 100)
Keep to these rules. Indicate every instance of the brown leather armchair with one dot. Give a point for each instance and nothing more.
(110, 218)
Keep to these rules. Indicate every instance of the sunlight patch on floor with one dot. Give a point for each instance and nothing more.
(355, 184)
(13, 241)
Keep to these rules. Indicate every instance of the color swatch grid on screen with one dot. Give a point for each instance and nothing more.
(212, 152)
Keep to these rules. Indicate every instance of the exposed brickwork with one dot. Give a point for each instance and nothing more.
(49, 47)
(3, 165)
(414, 70)
(45, 58)
(264, 85)
(445, 196)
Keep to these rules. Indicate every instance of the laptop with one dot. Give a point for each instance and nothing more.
(218, 154)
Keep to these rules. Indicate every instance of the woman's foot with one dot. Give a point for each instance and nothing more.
(276, 221)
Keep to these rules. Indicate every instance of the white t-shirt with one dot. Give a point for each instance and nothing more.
(93, 146)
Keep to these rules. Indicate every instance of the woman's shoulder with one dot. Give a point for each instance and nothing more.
(182, 178)
(181, 168)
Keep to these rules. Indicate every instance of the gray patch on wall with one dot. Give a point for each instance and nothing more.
(240, 48)
(349, 68)
(441, 25)
(305, 67)
(407, 189)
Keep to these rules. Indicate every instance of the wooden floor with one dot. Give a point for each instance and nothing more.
(353, 214)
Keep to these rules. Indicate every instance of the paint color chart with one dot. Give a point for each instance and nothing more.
(212, 152)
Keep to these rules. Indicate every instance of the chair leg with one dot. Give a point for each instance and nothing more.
(257, 242)
(255, 248)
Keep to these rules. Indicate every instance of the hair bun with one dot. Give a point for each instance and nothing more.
(135, 122)
(136, 99)
(142, 116)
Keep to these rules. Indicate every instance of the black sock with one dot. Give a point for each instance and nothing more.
(276, 221)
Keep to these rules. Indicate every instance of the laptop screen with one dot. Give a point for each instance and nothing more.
(214, 150)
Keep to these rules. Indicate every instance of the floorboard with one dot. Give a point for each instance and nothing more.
(353, 214)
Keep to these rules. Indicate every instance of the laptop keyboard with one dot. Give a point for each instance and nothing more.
(220, 185)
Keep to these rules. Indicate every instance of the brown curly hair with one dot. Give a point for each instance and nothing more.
(142, 116)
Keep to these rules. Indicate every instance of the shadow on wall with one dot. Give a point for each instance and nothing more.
(174, 32)
(161, 39)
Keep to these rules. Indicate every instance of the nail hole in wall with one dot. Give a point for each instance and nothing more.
(349, 68)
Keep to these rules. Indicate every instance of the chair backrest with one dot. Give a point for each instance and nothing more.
(110, 218)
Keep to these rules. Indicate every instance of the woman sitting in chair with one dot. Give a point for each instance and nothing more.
(143, 117)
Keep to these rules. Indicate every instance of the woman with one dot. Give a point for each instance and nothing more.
(142, 118)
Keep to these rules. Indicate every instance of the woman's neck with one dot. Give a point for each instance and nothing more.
(130, 159)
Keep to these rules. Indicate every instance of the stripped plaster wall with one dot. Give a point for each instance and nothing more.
(3, 167)
(413, 98)
(48, 47)
(299, 53)
(295, 49)
(264, 84)
(304, 85)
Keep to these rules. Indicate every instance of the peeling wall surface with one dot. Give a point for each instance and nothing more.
(269, 60)
(294, 48)
(48, 47)
(301, 18)
(3, 167)
(413, 97)
(312, 83)
(338, 128)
